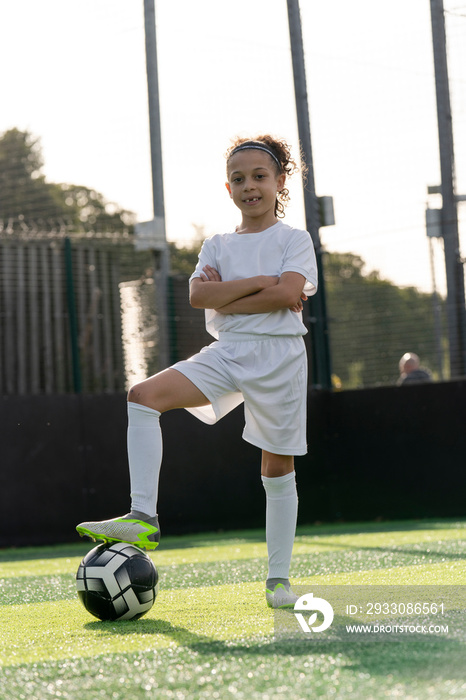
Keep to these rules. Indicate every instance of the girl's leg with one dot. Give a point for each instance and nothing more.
(278, 477)
(276, 465)
(147, 401)
(167, 390)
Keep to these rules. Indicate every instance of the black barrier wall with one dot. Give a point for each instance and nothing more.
(386, 453)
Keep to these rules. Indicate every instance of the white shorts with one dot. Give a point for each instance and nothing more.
(268, 373)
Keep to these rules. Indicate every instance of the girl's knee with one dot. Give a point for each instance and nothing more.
(276, 465)
(139, 394)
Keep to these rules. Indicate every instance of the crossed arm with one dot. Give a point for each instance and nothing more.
(252, 295)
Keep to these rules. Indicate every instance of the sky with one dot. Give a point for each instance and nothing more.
(76, 78)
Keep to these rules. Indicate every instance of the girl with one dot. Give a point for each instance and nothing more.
(251, 283)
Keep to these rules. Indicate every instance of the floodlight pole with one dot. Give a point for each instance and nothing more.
(161, 255)
(449, 214)
(321, 375)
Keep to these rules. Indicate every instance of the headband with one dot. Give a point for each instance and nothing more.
(258, 146)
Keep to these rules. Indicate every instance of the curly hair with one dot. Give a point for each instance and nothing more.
(288, 165)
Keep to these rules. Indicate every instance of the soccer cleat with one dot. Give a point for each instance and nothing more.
(128, 528)
(280, 597)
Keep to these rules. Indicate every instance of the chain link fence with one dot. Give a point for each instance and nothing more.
(78, 313)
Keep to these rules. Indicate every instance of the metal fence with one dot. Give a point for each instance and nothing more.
(373, 323)
(76, 313)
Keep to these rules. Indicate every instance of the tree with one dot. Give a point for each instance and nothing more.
(89, 207)
(23, 189)
(183, 259)
(373, 323)
(26, 195)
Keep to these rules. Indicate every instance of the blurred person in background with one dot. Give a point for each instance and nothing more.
(411, 371)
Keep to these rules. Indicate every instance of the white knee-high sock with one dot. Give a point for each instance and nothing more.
(280, 523)
(144, 456)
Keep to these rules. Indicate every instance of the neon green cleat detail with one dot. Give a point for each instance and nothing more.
(280, 597)
(124, 529)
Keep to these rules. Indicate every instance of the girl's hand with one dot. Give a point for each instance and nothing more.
(298, 307)
(210, 274)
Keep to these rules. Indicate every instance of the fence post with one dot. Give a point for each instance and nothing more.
(73, 319)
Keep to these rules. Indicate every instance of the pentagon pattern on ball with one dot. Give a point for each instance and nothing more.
(117, 582)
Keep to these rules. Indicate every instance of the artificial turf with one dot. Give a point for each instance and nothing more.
(210, 634)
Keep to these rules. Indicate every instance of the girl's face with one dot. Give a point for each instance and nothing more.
(253, 182)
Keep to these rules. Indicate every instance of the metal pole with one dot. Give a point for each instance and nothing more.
(437, 313)
(73, 318)
(321, 365)
(453, 264)
(162, 259)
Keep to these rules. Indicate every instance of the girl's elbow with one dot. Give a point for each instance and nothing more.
(195, 301)
(195, 297)
(199, 301)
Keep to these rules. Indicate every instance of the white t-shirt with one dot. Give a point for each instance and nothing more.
(272, 252)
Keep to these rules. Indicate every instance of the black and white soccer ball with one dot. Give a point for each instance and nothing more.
(117, 582)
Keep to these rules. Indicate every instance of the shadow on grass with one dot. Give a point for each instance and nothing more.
(435, 658)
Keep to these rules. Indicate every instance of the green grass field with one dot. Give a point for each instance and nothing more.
(210, 634)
